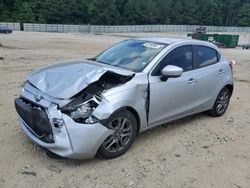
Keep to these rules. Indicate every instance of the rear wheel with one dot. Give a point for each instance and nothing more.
(124, 125)
(221, 103)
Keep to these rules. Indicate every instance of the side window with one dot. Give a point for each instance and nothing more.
(181, 57)
(206, 56)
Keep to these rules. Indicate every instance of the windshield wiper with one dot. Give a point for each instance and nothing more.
(91, 59)
(99, 61)
(103, 62)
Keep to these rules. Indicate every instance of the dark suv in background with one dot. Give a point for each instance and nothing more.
(5, 30)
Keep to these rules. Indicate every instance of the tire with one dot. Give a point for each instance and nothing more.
(125, 125)
(221, 103)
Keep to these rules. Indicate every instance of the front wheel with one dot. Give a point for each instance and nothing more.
(124, 125)
(221, 103)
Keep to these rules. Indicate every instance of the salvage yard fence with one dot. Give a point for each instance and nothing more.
(61, 28)
(13, 26)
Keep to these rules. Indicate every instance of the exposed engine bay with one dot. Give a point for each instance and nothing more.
(107, 81)
(86, 101)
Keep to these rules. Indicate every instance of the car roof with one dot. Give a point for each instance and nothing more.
(168, 40)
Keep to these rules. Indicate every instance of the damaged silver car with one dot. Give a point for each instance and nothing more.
(97, 106)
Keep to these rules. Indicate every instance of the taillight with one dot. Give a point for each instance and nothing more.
(231, 64)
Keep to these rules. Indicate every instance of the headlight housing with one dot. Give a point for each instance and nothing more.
(82, 107)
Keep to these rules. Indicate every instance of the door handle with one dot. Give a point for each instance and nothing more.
(191, 81)
(221, 71)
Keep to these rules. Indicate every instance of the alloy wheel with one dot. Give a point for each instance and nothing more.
(122, 134)
(222, 102)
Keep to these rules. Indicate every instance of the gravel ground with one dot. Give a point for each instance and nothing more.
(198, 151)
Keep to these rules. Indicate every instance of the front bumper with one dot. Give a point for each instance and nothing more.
(70, 139)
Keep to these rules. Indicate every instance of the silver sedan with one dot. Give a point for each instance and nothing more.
(82, 108)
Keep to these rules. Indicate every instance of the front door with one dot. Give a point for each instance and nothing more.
(176, 96)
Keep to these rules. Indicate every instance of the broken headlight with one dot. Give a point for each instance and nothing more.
(82, 107)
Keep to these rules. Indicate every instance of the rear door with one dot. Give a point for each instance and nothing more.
(208, 74)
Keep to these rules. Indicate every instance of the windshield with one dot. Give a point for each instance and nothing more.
(130, 54)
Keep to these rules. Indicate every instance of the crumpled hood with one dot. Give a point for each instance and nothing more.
(67, 79)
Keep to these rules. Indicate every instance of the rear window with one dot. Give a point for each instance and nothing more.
(207, 56)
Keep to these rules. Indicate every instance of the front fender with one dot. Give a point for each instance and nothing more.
(134, 97)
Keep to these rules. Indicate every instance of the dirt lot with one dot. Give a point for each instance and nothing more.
(198, 151)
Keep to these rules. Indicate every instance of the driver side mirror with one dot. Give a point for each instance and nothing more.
(171, 71)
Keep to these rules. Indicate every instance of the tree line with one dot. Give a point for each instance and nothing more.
(124, 12)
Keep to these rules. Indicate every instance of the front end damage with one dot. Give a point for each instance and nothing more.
(85, 102)
(67, 127)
